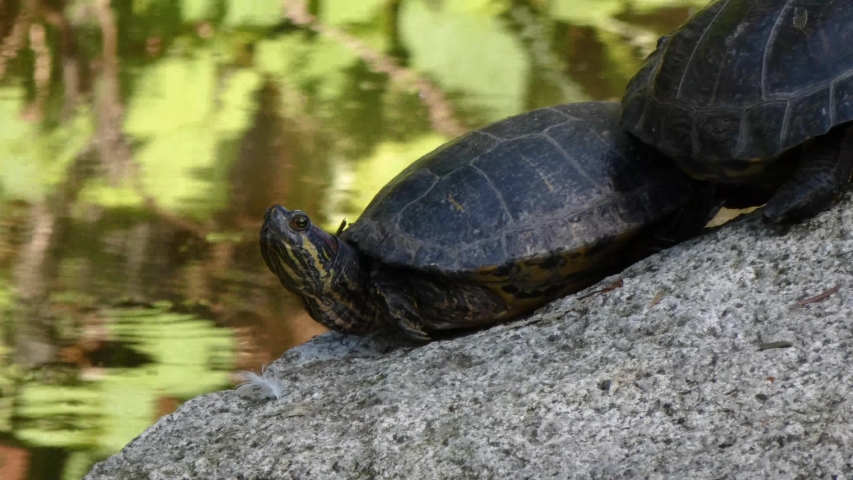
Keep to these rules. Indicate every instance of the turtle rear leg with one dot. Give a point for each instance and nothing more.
(417, 303)
(822, 174)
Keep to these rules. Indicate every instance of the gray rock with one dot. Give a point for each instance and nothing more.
(602, 387)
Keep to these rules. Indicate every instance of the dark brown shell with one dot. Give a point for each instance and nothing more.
(742, 81)
(543, 193)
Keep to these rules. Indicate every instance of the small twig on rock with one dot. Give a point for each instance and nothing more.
(781, 344)
(613, 286)
(655, 300)
(818, 297)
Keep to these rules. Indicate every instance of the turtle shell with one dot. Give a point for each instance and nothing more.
(742, 81)
(544, 193)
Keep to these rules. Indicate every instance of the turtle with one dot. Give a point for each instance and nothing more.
(490, 226)
(757, 96)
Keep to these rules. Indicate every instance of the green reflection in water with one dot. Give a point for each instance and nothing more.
(471, 50)
(317, 65)
(35, 158)
(343, 12)
(182, 113)
(178, 356)
(141, 143)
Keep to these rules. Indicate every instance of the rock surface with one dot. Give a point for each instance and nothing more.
(667, 376)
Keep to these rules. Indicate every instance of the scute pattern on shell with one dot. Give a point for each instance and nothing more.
(549, 183)
(744, 80)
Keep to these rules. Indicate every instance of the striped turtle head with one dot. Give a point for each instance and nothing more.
(325, 272)
(300, 253)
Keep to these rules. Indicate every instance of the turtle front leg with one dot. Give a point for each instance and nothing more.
(400, 309)
(418, 303)
(822, 174)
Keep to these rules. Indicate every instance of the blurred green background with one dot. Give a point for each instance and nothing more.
(142, 140)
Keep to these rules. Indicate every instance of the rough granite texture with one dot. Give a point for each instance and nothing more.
(609, 386)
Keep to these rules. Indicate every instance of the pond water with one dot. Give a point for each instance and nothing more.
(141, 142)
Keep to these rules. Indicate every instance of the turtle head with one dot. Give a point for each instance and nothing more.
(315, 265)
(301, 254)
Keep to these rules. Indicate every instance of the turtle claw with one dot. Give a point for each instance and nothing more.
(411, 330)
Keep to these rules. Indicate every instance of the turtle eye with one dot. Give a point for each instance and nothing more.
(299, 221)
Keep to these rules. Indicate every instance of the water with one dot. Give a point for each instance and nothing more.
(140, 145)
